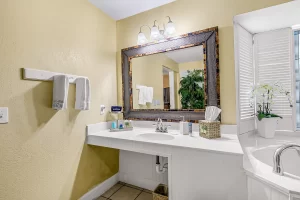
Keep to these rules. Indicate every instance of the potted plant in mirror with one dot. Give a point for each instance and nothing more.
(191, 90)
(262, 96)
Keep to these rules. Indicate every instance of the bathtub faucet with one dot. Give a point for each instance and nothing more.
(278, 168)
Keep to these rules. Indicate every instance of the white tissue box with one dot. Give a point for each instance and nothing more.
(209, 129)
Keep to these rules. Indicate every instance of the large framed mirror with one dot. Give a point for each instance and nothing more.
(172, 78)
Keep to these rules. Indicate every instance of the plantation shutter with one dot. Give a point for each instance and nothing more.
(273, 63)
(245, 76)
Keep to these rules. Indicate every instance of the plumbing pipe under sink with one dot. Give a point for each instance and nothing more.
(159, 169)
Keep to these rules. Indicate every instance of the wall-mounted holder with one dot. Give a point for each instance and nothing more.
(42, 75)
(120, 130)
(116, 112)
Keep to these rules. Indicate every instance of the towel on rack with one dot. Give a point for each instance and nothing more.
(83, 94)
(142, 94)
(149, 95)
(145, 94)
(60, 92)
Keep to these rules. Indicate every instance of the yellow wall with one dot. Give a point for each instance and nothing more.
(191, 65)
(193, 15)
(42, 151)
(148, 71)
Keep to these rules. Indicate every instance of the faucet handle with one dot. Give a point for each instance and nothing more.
(165, 128)
(156, 127)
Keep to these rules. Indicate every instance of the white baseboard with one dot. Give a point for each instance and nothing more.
(138, 181)
(101, 188)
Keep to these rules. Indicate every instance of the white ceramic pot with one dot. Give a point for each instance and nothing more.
(267, 126)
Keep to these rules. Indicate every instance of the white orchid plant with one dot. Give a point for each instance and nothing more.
(262, 96)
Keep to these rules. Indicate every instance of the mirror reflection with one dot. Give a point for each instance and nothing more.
(171, 80)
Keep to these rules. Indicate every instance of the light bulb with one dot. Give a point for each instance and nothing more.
(141, 38)
(155, 35)
(170, 29)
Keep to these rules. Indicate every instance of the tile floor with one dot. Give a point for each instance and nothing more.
(124, 191)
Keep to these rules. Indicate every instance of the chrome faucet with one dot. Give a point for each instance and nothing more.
(278, 168)
(160, 127)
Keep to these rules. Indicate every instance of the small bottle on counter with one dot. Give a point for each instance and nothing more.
(126, 124)
(184, 127)
(190, 127)
(120, 124)
(113, 125)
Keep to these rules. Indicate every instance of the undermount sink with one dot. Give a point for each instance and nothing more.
(156, 136)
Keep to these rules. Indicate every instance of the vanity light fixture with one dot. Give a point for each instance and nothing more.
(155, 33)
(170, 28)
(141, 36)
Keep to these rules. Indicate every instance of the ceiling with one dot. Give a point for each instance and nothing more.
(186, 55)
(272, 18)
(120, 9)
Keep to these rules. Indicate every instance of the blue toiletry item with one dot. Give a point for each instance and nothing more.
(190, 127)
(114, 125)
(116, 108)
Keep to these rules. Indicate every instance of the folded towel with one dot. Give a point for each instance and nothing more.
(88, 94)
(142, 94)
(145, 94)
(149, 94)
(83, 94)
(60, 92)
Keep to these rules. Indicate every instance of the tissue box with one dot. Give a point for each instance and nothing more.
(209, 129)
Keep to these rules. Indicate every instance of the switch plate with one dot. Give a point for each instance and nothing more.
(3, 115)
(102, 109)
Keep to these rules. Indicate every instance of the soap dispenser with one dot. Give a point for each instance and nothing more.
(184, 126)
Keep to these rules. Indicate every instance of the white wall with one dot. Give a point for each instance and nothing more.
(139, 169)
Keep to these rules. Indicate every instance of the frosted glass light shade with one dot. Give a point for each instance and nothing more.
(170, 29)
(155, 35)
(142, 39)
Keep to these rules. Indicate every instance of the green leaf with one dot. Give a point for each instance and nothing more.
(262, 115)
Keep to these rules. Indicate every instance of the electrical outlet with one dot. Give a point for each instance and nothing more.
(157, 102)
(3, 115)
(154, 102)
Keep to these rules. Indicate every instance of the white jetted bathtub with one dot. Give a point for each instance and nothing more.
(263, 183)
(290, 160)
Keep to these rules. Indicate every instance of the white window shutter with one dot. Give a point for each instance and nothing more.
(245, 76)
(273, 63)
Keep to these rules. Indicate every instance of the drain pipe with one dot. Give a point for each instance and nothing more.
(158, 166)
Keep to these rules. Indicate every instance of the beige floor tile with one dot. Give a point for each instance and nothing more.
(145, 196)
(112, 190)
(125, 193)
(101, 198)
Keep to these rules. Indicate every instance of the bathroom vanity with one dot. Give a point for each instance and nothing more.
(198, 168)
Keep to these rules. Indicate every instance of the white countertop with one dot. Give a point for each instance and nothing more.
(228, 143)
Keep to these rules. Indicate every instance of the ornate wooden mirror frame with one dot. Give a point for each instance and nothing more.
(209, 39)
